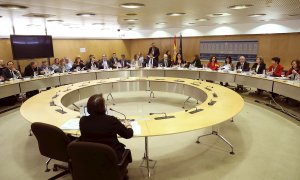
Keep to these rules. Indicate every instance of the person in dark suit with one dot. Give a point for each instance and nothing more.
(154, 51)
(92, 64)
(196, 61)
(243, 64)
(151, 61)
(11, 72)
(31, 70)
(78, 64)
(102, 128)
(124, 62)
(114, 60)
(104, 63)
(259, 66)
(165, 62)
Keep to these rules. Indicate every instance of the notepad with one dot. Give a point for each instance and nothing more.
(72, 124)
(136, 128)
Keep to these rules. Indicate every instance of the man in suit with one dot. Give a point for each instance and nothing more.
(114, 60)
(31, 70)
(123, 62)
(10, 72)
(91, 64)
(104, 63)
(151, 61)
(154, 51)
(243, 64)
(166, 62)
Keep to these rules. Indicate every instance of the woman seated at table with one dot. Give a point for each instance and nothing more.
(229, 66)
(196, 61)
(102, 128)
(179, 61)
(55, 65)
(61, 67)
(259, 66)
(275, 69)
(77, 65)
(294, 71)
(213, 63)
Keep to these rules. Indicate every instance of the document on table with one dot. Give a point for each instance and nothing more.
(72, 124)
(136, 128)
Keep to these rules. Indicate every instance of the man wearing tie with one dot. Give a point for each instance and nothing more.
(243, 64)
(154, 51)
(104, 63)
(151, 61)
(166, 62)
(124, 63)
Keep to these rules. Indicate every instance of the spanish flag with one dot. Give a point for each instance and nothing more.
(174, 49)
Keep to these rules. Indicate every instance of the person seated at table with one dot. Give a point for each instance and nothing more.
(165, 62)
(275, 69)
(141, 59)
(2, 66)
(55, 64)
(124, 63)
(242, 65)
(168, 52)
(78, 64)
(228, 65)
(114, 60)
(104, 63)
(179, 61)
(11, 72)
(45, 68)
(92, 64)
(135, 60)
(69, 64)
(196, 61)
(259, 66)
(151, 61)
(294, 71)
(61, 67)
(213, 63)
(32, 69)
(102, 128)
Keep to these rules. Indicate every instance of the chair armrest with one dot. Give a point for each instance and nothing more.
(126, 157)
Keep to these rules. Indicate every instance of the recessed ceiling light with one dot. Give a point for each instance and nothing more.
(13, 6)
(55, 20)
(87, 14)
(130, 20)
(176, 14)
(191, 23)
(202, 19)
(131, 14)
(38, 15)
(219, 14)
(256, 15)
(161, 23)
(241, 6)
(33, 25)
(95, 24)
(132, 5)
(130, 29)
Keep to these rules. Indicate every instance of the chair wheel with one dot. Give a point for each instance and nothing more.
(198, 142)
(47, 170)
(232, 153)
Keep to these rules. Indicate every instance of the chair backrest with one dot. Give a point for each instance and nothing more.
(52, 141)
(93, 161)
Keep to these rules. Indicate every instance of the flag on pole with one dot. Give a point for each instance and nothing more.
(174, 49)
(180, 46)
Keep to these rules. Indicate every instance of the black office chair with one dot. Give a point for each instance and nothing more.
(53, 143)
(97, 161)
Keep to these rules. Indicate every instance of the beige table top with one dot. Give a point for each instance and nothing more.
(229, 104)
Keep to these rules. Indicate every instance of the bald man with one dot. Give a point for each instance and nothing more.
(243, 64)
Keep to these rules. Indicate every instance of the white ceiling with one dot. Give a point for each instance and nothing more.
(110, 13)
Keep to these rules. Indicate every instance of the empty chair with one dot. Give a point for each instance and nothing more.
(91, 161)
(53, 143)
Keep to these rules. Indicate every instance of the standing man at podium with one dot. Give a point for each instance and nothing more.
(154, 51)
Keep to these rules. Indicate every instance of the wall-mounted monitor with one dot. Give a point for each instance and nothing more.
(31, 46)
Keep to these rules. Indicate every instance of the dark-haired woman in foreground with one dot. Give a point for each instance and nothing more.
(102, 128)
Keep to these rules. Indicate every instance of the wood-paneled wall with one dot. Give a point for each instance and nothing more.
(285, 46)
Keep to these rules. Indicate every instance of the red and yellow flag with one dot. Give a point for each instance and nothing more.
(174, 49)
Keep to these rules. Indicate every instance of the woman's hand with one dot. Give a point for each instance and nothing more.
(127, 124)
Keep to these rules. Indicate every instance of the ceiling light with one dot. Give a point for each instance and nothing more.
(38, 15)
(87, 14)
(13, 6)
(33, 25)
(256, 15)
(161, 23)
(242, 6)
(191, 23)
(95, 24)
(130, 20)
(175, 14)
(131, 14)
(132, 5)
(202, 19)
(55, 20)
(219, 14)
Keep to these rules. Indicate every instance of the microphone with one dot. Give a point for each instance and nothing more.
(55, 96)
(208, 88)
(163, 117)
(68, 88)
(212, 102)
(215, 95)
(196, 110)
(61, 110)
(118, 112)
